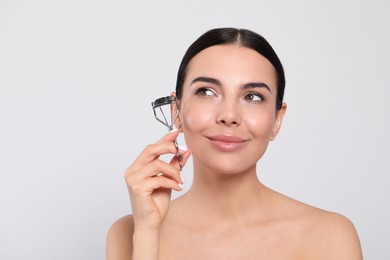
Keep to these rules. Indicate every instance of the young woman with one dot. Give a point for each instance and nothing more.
(230, 89)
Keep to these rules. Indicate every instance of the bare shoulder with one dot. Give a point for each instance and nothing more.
(120, 239)
(323, 234)
(332, 236)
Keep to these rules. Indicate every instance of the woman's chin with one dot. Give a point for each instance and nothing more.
(227, 167)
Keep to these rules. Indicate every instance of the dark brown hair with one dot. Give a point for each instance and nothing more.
(242, 37)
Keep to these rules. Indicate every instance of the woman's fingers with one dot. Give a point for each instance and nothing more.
(162, 182)
(148, 167)
(153, 169)
(171, 136)
(161, 168)
(185, 155)
(151, 152)
(146, 187)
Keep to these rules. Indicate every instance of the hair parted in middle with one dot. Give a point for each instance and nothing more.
(243, 37)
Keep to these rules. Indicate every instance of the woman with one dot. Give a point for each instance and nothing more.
(230, 89)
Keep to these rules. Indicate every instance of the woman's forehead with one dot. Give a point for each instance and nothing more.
(231, 62)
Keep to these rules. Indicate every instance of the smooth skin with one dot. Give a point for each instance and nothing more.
(227, 213)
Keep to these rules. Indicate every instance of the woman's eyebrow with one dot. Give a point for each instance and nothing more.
(256, 85)
(218, 83)
(208, 80)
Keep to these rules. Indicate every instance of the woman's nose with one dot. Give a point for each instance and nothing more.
(229, 114)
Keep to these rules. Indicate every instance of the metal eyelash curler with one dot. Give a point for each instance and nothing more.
(161, 106)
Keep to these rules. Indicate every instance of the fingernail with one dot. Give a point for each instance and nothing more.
(173, 130)
(181, 178)
(181, 186)
(183, 148)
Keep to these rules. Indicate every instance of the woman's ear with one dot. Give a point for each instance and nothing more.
(278, 121)
(175, 111)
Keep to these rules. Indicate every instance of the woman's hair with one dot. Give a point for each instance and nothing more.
(242, 37)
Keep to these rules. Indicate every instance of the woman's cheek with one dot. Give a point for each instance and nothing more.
(260, 124)
(196, 117)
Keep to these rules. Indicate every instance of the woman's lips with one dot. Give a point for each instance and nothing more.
(227, 143)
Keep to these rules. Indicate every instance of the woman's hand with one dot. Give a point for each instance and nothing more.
(151, 180)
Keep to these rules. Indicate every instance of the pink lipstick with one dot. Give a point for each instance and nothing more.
(227, 143)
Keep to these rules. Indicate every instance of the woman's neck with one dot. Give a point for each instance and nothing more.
(225, 197)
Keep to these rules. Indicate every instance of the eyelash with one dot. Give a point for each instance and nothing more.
(202, 92)
(254, 94)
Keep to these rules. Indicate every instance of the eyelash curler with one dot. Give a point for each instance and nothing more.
(165, 104)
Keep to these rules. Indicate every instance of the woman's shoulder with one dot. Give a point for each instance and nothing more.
(120, 238)
(325, 234)
(332, 236)
(123, 225)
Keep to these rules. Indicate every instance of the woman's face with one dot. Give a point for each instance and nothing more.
(228, 108)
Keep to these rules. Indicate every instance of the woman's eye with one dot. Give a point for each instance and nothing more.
(253, 97)
(204, 92)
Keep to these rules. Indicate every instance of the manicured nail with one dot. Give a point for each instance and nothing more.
(183, 148)
(181, 186)
(181, 178)
(173, 130)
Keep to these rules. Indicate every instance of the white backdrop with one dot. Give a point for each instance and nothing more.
(77, 79)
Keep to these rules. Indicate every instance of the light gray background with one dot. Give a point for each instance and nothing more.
(77, 79)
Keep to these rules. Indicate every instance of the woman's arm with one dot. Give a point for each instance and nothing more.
(146, 244)
(123, 242)
(149, 181)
